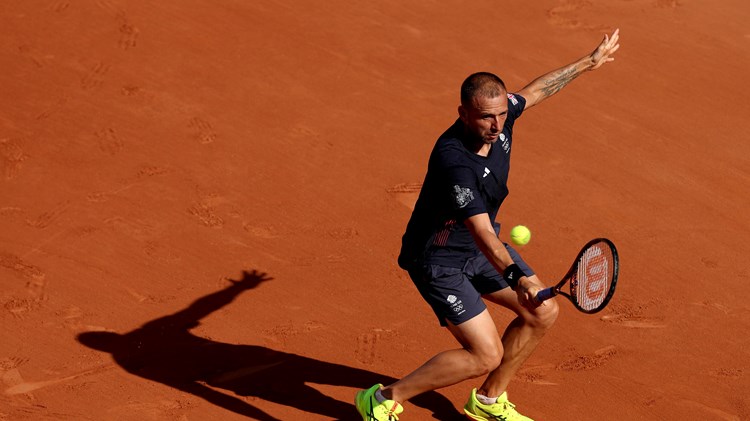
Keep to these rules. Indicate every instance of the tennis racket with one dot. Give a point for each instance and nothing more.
(591, 279)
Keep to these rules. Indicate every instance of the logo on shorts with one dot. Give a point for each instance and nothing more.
(456, 305)
(463, 196)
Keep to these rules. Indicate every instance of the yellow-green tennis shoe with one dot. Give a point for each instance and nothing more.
(502, 410)
(372, 410)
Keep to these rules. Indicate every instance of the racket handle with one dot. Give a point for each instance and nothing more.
(545, 294)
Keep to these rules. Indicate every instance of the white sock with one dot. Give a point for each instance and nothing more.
(379, 396)
(486, 400)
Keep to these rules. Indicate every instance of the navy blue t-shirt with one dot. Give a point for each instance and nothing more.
(459, 184)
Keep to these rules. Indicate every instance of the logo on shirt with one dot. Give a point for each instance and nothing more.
(513, 99)
(486, 172)
(463, 196)
(504, 141)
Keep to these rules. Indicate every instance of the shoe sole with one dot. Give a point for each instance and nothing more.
(475, 417)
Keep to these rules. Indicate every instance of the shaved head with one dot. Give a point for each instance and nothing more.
(484, 84)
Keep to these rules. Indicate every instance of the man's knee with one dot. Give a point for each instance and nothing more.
(486, 360)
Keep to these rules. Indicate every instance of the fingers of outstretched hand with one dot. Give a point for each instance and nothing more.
(603, 53)
(612, 40)
(610, 44)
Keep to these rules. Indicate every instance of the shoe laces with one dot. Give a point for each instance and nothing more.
(392, 412)
(506, 409)
(509, 409)
(391, 416)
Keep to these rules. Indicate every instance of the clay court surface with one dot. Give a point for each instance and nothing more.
(201, 203)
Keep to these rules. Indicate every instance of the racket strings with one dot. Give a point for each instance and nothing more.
(593, 278)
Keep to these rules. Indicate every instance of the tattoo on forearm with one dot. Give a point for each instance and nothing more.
(555, 82)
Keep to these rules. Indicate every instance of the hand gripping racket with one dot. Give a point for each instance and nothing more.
(591, 279)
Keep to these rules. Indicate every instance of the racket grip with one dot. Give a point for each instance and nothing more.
(545, 294)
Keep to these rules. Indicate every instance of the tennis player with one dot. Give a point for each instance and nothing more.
(452, 252)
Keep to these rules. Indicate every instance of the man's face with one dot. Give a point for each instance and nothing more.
(484, 117)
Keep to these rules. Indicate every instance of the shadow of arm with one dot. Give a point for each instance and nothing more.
(208, 304)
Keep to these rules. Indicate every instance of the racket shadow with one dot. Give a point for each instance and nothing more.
(165, 351)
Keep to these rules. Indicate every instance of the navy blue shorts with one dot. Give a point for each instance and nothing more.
(455, 294)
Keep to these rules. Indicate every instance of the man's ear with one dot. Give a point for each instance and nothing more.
(462, 113)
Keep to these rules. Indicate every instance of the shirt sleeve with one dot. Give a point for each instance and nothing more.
(516, 105)
(464, 192)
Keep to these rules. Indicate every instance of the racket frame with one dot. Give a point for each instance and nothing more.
(553, 291)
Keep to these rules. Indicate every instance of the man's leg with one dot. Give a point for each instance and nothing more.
(520, 338)
(481, 353)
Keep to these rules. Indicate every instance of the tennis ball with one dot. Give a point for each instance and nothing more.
(520, 235)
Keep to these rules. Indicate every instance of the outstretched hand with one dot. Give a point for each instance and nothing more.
(603, 53)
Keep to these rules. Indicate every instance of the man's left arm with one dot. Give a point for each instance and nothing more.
(487, 241)
(551, 83)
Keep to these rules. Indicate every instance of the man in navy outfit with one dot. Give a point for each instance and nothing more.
(452, 252)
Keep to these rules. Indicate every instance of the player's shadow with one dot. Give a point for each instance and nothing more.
(164, 350)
